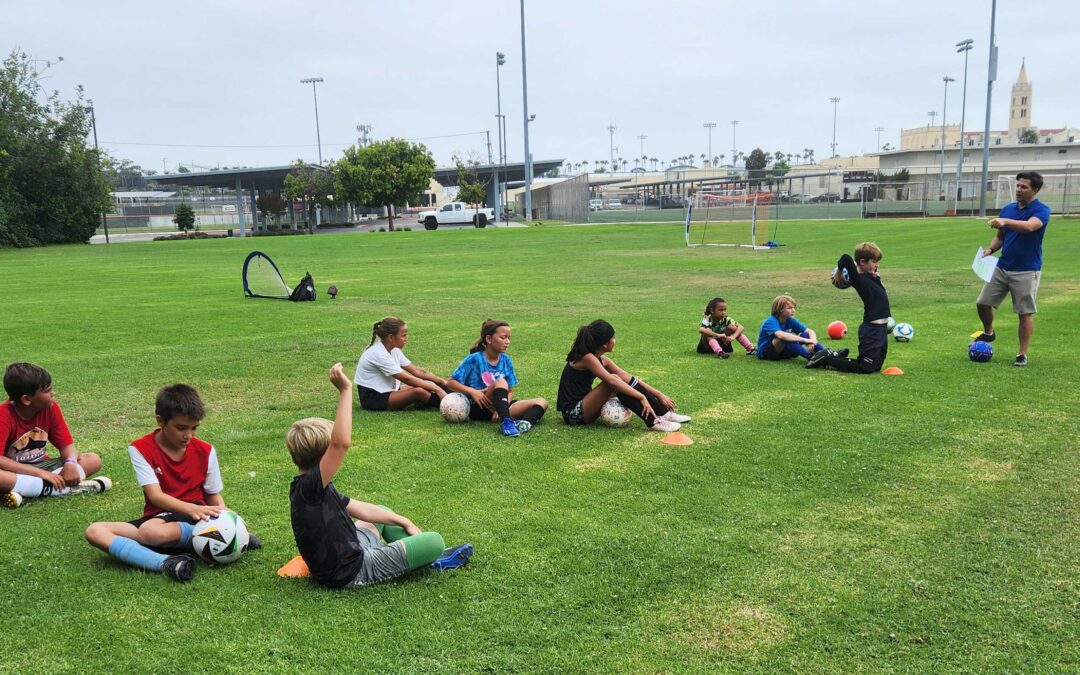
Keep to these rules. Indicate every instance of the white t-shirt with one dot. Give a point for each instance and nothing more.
(377, 367)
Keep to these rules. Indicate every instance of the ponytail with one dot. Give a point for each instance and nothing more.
(385, 327)
(590, 339)
(487, 329)
(712, 305)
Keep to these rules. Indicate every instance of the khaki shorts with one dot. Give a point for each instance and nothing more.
(1023, 286)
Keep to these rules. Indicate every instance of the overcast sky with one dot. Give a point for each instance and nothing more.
(217, 83)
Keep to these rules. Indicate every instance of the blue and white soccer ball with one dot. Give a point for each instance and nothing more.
(903, 332)
(221, 539)
(980, 352)
(840, 278)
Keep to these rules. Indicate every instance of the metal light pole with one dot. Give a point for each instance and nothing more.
(526, 119)
(991, 75)
(734, 123)
(710, 126)
(834, 100)
(318, 136)
(944, 105)
(611, 144)
(93, 123)
(965, 47)
(879, 130)
(500, 60)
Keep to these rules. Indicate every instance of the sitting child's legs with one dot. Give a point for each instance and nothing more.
(129, 543)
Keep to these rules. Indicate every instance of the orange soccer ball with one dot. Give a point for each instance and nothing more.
(837, 330)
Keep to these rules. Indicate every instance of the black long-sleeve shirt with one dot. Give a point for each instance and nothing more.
(870, 289)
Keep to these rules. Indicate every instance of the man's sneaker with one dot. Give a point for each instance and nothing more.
(509, 428)
(453, 557)
(523, 426)
(672, 416)
(179, 568)
(91, 486)
(842, 353)
(12, 500)
(817, 359)
(986, 337)
(664, 425)
(1021, 360)
(751, 351)
(254, 543)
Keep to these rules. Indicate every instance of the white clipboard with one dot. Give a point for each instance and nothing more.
(984, 265)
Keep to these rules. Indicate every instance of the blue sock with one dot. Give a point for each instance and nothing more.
(135, 554)
(797, 348)
(186, 530)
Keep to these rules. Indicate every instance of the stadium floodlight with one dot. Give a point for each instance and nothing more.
(879, 130)
(526, 119)
(991, 75)
(318, 137)
(944, 105)
(965, 47)
(734, 123)
(500, 60)
(710, 126)
(834, 100)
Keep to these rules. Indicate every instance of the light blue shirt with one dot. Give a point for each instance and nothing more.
(476, 372)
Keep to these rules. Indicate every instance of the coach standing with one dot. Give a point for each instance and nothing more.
(1018, 232)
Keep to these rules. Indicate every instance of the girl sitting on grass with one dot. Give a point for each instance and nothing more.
(487, 376)
(580, 402)
(386, 380)
(718, 331)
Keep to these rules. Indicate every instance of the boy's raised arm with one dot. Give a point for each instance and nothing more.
(341, 436)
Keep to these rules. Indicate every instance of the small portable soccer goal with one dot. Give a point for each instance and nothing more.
(262, 279)
(728, 218)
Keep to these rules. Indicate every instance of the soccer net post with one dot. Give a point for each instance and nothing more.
(728, 218)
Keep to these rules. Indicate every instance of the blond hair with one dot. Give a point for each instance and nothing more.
(867, 250)
(781, 301)
(307, 441)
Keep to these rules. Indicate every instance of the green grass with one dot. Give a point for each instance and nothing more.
(820, 523)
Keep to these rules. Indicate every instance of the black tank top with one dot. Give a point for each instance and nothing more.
(573, 386)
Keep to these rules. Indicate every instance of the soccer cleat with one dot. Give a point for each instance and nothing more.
(254, 543)
(672, 416)
(91, 486)
(842, 353)
(453, 557)
(751, 351)
(986, 337)
(509, 427)
(722, 354)
(666, 426)
(179, 567)
(12, 500)
(523, 426)
(1021, 360)
(817, 359)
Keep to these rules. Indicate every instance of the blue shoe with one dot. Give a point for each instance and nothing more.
(509, 428)
(452, 558)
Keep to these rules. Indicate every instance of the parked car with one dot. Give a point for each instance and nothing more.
(596, 204)
(826, 197)
(801, 199)
(614, 204)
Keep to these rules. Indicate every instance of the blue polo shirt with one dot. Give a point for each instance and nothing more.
(1022, 251)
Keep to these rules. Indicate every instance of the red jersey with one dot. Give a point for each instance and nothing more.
(24, 440)
(186, 479)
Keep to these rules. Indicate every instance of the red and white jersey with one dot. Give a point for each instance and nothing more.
(24, 440)
(190, 479)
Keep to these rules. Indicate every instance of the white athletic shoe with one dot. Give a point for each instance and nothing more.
(667, 426)
(91, 486)
(672, 416)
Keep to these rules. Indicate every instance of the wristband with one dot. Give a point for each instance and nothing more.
(69, 460)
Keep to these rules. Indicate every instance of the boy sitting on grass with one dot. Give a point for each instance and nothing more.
(339, 552)
(28, 419)
(181, 485)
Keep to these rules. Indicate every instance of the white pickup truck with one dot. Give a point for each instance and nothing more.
(456, 213)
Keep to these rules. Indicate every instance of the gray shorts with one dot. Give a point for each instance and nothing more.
(382, 562)
(1023, 286)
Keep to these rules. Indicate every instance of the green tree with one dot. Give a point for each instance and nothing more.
(270, 205)
(755, 164)
(311, 185)
(470, 189)
(184, 218)
(1029, 135)
(52, 185)
(385, 173)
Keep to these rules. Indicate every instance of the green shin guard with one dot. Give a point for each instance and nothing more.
(422, 549)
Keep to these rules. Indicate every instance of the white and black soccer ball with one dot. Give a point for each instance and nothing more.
(840, 278)
(220, 540)
(903, 332)
(615, 414)
(455, 407)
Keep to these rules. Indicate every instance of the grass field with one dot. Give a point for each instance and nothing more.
(820, 523)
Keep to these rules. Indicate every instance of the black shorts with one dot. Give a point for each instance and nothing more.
(371, 399)
(167, 516)
(704, 348)
(478, 413)
(769, 353)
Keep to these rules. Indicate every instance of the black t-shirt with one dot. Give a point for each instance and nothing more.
(870, 289)
(324, 531)
(573, 386)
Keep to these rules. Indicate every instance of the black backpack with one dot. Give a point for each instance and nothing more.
(305, 290)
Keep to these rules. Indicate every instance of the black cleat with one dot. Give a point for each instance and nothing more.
(842, 353)
(179, 568)
(254, 543)
(817, 359)
(986, 337)
(1021, 360)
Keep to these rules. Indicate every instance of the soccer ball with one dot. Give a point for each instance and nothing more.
(221, 539)
(890, 324)
(455, 407)
(840, 278)
(903, 332)
(837, 330)
(980, 352)
(615, 414)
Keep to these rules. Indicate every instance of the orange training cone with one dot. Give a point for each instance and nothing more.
(294, 568)
(892, 370)
(677, 438)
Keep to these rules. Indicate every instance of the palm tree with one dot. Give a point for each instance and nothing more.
(586, 163)
(716, 160)
(722, 158)
(810, 156)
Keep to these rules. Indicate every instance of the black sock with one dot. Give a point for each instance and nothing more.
(502, 405)
(533, 414)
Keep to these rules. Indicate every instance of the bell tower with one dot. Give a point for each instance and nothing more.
(1020, 106)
